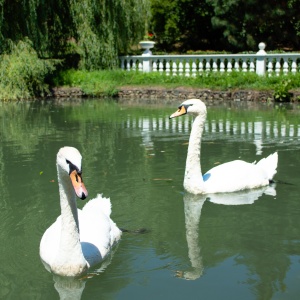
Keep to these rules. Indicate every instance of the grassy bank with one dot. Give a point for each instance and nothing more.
(24, 75)
(99, 83)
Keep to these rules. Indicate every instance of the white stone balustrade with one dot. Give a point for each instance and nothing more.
(192, 65)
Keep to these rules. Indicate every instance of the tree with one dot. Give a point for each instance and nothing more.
(183, 25)
(246, 23)
(95, 31)
(231, 25)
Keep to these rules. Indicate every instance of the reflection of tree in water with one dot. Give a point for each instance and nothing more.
(266, 250)
(267, 271)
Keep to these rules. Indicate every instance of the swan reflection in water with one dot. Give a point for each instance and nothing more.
(192, 211)
(71, 288)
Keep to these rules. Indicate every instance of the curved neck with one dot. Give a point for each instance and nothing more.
(69, 260)
(193, 181)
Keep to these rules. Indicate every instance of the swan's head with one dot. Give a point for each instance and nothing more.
(190, 106)
(69, 160)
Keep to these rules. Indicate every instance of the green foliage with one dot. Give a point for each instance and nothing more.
(233, 25)
(88, 34)
(246, 23)
(105, 28)
(181, 25)
(282, 91)
(22, 73)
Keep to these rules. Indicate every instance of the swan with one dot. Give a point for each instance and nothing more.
(232, 176)
(78, 239)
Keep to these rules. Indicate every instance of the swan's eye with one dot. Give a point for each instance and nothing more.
(72, 167)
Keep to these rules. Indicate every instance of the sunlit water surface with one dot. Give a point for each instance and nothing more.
(234, 246)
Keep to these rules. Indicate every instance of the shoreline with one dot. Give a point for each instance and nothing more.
(131, 93)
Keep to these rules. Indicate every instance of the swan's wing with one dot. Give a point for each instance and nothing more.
(234, 176)
(98, 233)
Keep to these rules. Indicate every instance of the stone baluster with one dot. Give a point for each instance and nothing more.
(252, 66)
(133, 66)
(180, 68)
(161, 67)
(187, 69)
(294, 66)
(168, 68)
(229, 66)
(237, 65)
(201, 67)
(215, 66)
(207, 66)
(128, 65)
(194, 69)
(244, 66)
(174, 68)
(222, 66)
(270, 68)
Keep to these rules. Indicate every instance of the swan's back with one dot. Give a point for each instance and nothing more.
(239, 175)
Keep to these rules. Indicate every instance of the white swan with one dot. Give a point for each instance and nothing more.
(78, 239)
(232, 176)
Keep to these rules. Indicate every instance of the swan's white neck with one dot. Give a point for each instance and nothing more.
(193, 181)
(69, 260)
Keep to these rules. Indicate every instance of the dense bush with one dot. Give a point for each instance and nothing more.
(23, 73)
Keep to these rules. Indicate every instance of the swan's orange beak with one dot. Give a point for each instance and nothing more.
(78, 185)
(181, 111)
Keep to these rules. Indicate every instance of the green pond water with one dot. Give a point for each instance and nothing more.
(232, 246)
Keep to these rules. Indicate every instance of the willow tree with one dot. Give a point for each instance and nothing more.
(95, 31)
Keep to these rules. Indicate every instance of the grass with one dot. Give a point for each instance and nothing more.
(107, 83)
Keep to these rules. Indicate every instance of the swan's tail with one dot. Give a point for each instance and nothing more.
(269, 165)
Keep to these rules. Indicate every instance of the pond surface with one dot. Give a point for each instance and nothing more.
(227, 247)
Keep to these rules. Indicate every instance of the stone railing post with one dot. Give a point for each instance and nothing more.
(261, 59)
(147, 61)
